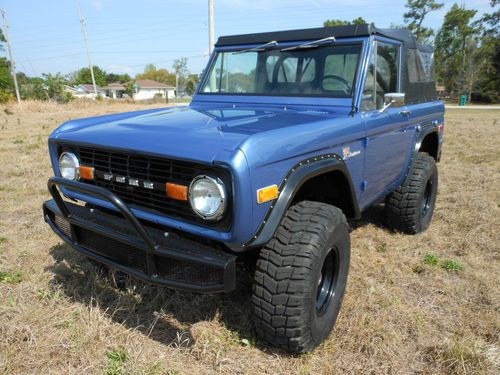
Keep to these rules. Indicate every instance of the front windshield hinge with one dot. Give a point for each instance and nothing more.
(313, 44)
(262, 47)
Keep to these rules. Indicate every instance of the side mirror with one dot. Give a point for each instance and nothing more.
(395, 99)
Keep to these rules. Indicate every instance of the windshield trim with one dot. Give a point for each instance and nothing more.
(213, 58)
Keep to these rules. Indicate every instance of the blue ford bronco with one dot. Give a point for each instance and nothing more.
(289, 135)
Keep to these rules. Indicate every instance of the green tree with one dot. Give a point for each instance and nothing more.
(83, 76)
(34, 88)
(6, 83)
(181, 70)
(414, 17)
(190, 88)
(490, 52)
(454, 43)
(113, 77)
(159, 75)
(357, 21)
(54, 87)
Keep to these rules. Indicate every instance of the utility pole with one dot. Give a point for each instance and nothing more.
(212, 80)
(85, 39)
(210, 26)
(11, 57)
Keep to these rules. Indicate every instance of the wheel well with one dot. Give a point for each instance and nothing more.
(332, 188)
(430, 145)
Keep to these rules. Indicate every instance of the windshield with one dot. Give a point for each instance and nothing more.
(328, 71)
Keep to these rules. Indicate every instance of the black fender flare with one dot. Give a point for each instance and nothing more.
(291, 184)
(422, 132)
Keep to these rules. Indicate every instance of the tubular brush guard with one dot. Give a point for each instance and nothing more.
(150, 254)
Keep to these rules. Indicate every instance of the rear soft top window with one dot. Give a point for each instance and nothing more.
(420, 66)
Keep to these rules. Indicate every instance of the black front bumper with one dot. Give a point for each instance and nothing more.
(123, 242)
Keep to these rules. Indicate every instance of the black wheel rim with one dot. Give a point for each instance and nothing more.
(427, 199)
(327, 281)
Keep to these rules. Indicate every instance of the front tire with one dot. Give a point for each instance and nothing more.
(409, 208)
(301, 276)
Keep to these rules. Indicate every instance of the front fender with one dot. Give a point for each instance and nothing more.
(296, 177)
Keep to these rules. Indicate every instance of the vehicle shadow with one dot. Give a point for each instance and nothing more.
(374, 215)
(163, 314)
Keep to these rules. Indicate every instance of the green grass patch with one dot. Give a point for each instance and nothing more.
(382, 248)
(452, 265)
(116, 361)
(45, 295)
(431, 260)
(18, 141)
(3, 239)
(13, 277)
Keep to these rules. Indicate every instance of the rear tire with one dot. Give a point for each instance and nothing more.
(409, 208)
(301, 276)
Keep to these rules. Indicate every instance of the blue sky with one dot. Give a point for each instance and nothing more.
(125, 35)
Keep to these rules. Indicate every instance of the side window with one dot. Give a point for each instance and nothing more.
(382, 76)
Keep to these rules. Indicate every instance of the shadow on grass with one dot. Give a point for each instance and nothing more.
(374, 215)
(162, 314)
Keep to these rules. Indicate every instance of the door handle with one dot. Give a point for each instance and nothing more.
(405, 112)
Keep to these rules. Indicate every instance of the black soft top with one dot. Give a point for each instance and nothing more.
(419, 87)
(349, 31)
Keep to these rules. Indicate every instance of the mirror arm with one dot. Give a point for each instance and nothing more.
(384, 108)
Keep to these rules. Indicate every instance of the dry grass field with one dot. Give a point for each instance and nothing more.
(425, 304)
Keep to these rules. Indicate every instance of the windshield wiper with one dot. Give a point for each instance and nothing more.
(262, 47)
(313, 44)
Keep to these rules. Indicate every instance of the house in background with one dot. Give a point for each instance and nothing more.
(87, 91)
(147, 89)
(70, 90)
(115, 90)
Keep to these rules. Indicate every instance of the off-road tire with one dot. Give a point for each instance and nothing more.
(409, 208)
(288, 311)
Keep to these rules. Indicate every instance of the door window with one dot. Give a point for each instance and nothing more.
(382, 76)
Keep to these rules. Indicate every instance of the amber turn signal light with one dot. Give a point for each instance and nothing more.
(176, 191)
(267, 194)
(87, 173)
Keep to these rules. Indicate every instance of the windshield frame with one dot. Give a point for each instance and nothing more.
(280, 97)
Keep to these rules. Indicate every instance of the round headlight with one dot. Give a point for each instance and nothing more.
(207, 196)
(69, 166)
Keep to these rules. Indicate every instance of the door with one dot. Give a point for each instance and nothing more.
(389, 137)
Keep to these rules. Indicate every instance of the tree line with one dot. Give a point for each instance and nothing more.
(52, 86)
(467, 56)
(466, 47)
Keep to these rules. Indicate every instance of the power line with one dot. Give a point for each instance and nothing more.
(11, 57)
(57, 57)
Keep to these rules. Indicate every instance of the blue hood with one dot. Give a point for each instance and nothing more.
(198, 132)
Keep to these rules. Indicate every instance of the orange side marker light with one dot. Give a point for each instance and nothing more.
(87, 173)
(267, 194)
(176, 191)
